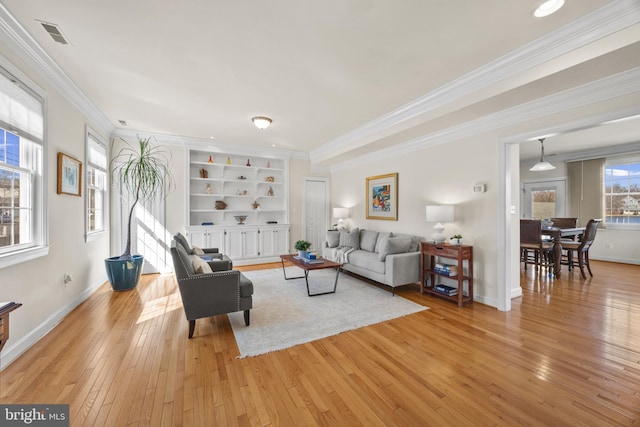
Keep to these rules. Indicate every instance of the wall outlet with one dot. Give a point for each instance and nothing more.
(67, 278)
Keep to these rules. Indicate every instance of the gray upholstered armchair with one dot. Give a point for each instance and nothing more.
(209, 294)
(219, 262)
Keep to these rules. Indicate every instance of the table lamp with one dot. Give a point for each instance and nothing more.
(340, 213)
(439, 214)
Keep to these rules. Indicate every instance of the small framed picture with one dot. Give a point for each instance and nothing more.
(382, 197)
(69, 175)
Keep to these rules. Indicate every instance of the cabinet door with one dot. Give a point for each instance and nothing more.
(250, 249)
(234, 243)
(281, 241)
(198, 237)
(216, 240)
(267, 242)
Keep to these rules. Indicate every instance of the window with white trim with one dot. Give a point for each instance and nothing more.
(622, 193)
(22, 182)
(96, 185)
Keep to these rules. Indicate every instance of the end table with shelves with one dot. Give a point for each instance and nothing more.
(429, 253)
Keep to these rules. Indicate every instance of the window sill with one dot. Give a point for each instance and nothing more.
(95, 236)
(18, 257)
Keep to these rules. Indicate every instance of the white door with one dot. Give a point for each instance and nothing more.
(544, 199)
(316, 211)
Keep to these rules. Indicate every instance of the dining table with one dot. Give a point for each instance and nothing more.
(557, 234)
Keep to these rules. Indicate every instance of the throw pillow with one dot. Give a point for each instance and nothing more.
(200, 266)
(393, 245)
(350, 238)
(196, 251)
(381, 237)
(368, 240)
(333, 238)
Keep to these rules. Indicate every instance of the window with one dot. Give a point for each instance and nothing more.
(22, 183)
(622, 193)
(96, 185)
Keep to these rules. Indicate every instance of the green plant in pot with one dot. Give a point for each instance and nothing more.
(302, 246)
(143, 171)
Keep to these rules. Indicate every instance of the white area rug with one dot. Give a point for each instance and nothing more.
(283, 315)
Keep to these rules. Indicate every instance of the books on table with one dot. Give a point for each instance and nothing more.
(447, 290)
(446, 269)
(308, 261)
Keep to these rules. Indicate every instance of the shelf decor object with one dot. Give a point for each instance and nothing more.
(439, 214)
(382, 197)
(340, 213)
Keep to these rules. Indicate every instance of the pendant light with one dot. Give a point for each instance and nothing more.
(542, 165)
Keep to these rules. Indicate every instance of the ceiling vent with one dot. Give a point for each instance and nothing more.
(54, 32)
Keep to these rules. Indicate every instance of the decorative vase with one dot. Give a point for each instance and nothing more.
(268, 164)
(228, 160)
(302, 254)
(248, 162)
(270, 192)
(210, 159)
(208, 189)
(124, 274)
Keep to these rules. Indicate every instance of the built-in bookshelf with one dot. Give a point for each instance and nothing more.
(223, 186)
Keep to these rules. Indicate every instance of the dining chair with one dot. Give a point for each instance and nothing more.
(582, 247)
(531, 240)
(565, 223)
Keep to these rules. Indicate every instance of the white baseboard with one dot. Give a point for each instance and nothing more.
(621, 261)
(12, 352)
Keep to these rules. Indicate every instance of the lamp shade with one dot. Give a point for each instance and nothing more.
(439, 213)
(340, 213)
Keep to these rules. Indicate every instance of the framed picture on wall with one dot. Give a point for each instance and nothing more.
(382, 197)
(69, 175)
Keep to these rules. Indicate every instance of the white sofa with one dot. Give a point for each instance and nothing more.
(392, 259)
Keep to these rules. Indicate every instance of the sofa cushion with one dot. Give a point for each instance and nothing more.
(367, 260)
(350, 239)
(196, 251)
(368, 240)
(381, 237)
(415, 241)
(246, 286)
(393, 245)
(333, 238)
(200, 266)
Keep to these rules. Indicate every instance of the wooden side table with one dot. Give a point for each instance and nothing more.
(460, 253)
(5, 309)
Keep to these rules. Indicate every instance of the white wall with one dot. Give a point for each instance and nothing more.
(443, 174)
(38, 284)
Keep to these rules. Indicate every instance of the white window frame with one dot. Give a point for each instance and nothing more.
(39, 244)
(622, 160)
(91, 235)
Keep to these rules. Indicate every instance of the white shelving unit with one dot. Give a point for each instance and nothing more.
(256, 187)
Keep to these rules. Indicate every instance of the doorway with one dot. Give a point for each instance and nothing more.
(315, 216)
(544, 199)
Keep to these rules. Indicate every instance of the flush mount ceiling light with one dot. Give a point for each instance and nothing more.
(547, 8)
(542, 165)
(261, 122)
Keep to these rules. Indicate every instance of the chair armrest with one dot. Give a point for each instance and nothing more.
(205, 295)
(210, 250)
(220, 264)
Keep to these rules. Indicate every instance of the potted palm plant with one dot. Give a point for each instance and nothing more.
(143, 171)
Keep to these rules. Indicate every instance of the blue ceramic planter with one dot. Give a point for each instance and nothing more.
(124, 274)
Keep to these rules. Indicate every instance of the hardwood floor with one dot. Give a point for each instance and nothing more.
(567, 354)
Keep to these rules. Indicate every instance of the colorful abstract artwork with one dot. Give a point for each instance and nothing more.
(382, 197)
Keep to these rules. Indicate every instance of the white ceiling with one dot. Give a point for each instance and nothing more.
(321, 70)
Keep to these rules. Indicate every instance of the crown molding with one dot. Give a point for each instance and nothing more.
(602, 22)
(210, 144)
(621, 84)
(20, 42)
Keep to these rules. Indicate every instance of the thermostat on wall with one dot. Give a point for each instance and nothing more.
(479, 188)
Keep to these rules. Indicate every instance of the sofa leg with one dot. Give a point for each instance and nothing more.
(246, 317)
(393, 291)
(192, 327)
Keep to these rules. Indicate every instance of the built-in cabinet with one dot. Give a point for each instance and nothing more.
(223, 186)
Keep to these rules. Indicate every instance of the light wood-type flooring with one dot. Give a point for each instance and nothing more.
(568, 354)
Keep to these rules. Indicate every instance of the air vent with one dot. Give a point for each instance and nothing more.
(54, 32)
